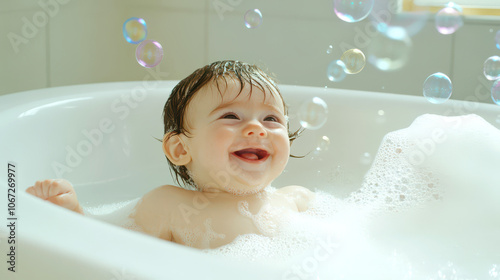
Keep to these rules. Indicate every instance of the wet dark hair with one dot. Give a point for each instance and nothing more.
(176, 105)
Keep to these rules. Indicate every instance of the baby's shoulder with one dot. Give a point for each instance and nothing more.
(302, 196)
(155, 211)
(165, 194)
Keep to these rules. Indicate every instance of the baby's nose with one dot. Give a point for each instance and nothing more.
(254, 129)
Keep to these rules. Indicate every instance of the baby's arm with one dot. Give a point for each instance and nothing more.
(153, 213)
(57, 191)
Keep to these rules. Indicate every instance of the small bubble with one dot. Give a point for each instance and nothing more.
(448, 20)
(329, 50)
(390, 49)
(336, 71)
(149, 53)
(352, 11)
(354, 61)
(491, 68)
(381, 118)
(313, 113)
(437, 88)
(253, 18)
(135, 30)
(366, 158)
(323, 144)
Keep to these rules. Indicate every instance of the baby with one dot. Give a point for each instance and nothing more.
(226, 139)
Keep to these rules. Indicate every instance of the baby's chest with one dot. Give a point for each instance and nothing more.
(220, 223)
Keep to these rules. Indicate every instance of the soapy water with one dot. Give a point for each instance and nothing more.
(428, 208)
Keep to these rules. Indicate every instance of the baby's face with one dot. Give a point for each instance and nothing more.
(239, 144)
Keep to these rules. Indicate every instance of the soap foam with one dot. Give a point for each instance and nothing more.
(428, 208)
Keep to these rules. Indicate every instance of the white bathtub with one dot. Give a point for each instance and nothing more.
(54, 132)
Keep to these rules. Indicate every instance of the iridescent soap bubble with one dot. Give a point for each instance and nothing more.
(448, 20)
(135, 30)
(437, 88)
(323, 144)
(253, 18)
(497, 39)
(336, 71)
(387, 15)
(495, 92)
(354, 61)
(352, 11)
(149, 53)
(492, 68)
(313, 113)
(390, 49)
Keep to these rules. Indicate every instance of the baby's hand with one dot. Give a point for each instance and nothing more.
(57, 191)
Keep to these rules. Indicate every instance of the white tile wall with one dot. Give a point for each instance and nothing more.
(23, 49)
(82, 43)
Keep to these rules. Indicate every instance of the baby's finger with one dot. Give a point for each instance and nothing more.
(47, 187)
(38, 190)
(54, 189)
(31, 190)
(65, 200)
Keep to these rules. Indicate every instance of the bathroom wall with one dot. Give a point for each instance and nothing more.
(48, 43)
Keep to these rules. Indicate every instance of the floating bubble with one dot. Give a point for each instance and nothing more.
(381, 117)
(383, 15)
(336, 71)
(495, 92)
(492, 68)
(354, 61)
(390, 49)
(497, 39)
(437, 88)
(366, 158)
(329, 50)
(323, 144)
(352, 11)
(448, 20)
(253, 18)
(135, 30)
(313, 113)
(149, 53)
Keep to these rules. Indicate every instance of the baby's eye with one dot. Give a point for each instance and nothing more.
(230, 116)
(271, 119)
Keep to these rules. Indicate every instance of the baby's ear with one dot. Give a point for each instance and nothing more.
(176, 149)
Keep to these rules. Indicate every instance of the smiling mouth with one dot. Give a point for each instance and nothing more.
(252, 155)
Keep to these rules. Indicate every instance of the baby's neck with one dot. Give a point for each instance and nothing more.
(215, 192)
